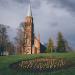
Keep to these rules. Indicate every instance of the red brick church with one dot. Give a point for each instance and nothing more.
(31, 42)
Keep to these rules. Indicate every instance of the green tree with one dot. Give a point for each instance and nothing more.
(61, 44)
(50, 46)
(5, 45)
(3, 38)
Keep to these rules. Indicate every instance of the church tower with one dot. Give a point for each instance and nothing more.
(28, 33)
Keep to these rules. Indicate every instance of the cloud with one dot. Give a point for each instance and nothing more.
(35, 3)
(66, 4)
(50, 17)
(22, 1)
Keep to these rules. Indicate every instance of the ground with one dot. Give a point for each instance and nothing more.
(5, 61)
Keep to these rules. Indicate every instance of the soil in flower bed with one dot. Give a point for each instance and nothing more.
(41, 64)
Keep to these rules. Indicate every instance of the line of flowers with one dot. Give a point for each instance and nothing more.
(42, 64)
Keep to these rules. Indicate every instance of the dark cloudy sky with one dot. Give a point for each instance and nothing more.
(50, 17)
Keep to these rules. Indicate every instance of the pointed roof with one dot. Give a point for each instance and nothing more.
(29, 13)
(38, 36)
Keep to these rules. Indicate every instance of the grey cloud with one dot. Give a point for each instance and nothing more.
(3, 3)
(67, 4)
(10, 4)
(22, 1)
(34, 3)
(54, 24)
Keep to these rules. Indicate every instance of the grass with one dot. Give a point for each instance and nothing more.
(5, 61)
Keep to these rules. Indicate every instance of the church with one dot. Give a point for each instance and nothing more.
(31, 42)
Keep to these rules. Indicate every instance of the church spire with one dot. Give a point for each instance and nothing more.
(29, 10)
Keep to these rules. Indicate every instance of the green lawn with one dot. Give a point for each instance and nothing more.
(5, 61)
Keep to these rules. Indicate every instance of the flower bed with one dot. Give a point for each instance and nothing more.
(41, 64)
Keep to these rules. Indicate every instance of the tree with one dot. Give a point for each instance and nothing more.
(50, 46)
(10, 48)
(3, 38)
(6, 47)
(61, 44)
(19, 39)
(68, 47)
